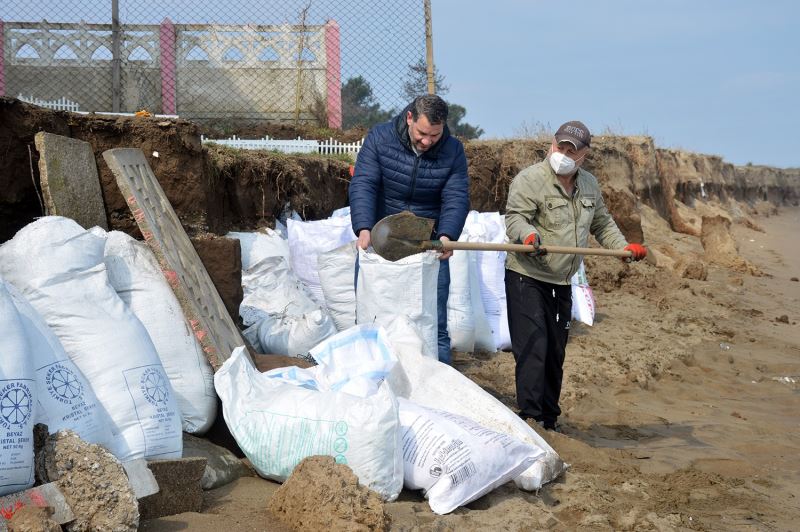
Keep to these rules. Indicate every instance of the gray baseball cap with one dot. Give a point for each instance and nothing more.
(574, 132)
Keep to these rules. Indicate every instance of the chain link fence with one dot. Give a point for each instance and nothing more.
(334, 63)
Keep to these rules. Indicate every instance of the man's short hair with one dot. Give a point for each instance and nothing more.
(431, 106)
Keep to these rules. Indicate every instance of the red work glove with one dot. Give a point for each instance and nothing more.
(534, 240)
(639, 251)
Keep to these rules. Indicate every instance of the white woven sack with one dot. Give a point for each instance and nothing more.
(113, 350)
(65, 400)
(466, 319)
(436, 385)
(280, 334)
(406, 287)
(17, 400)
(337, 277)
(460, 315)
(484, 338)
(455, 460)
(259, 245)
(308, 239)
(134, 273)
(49, 246)
(583, 304)
(277, 424)
(490, 227)
(270, 287)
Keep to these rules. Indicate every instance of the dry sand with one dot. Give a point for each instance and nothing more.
(681, 404)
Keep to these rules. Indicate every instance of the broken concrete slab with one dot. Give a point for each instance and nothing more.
(92, 480)
(163, 232)
(68, 175)
(223, 467)
(44, 496)
(181, 489)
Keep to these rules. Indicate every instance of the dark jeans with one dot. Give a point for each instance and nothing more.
(442, 290)
(539, 316)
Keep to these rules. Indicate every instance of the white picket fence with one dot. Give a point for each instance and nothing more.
(299, 145)
(62, 104)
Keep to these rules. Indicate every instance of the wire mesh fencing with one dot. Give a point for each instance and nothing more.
(333, 63)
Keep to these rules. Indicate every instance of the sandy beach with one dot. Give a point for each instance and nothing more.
(681, 404)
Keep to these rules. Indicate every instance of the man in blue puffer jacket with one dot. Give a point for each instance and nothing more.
(413, 164)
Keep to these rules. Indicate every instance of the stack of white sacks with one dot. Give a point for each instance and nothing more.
(305, 282)
(97, 344)
(378, 400)
(92, 339)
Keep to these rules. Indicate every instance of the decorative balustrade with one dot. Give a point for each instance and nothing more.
(195, 70)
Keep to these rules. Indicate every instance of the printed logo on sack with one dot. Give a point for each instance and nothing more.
(154, 387)
(16, 405)
(436, 470)
(340, 443)
(63, 384)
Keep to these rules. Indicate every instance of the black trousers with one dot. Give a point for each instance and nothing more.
(539, 316)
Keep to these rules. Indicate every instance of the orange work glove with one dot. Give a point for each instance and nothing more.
(639, 251)
(534, 240)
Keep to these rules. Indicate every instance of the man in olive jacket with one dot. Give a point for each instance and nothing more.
(554, 202)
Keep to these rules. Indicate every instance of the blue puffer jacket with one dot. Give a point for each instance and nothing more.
(390, 178)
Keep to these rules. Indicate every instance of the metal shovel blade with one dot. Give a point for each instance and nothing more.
(401, 235)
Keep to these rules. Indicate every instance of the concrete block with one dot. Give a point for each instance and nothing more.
(70, 185)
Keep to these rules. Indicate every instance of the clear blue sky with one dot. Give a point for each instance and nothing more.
(711, 76)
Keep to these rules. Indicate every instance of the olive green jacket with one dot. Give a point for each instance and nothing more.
(538, 203)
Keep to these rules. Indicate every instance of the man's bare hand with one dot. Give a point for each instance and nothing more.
(447, 253)
(364, 237)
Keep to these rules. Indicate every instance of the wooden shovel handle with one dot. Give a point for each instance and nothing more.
(522, 248)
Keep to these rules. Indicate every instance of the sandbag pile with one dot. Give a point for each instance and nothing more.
(361, 405)
(99, 372)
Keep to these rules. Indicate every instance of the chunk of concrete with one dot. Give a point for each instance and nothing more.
(223, 467)
(92, 480)
(180, 487)
(70, 185)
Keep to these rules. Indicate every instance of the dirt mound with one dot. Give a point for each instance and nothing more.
(93, 483)
(323, 495)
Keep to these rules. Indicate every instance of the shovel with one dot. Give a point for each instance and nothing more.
(404, 234)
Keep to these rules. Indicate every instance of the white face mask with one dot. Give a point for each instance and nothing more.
(561, 164)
